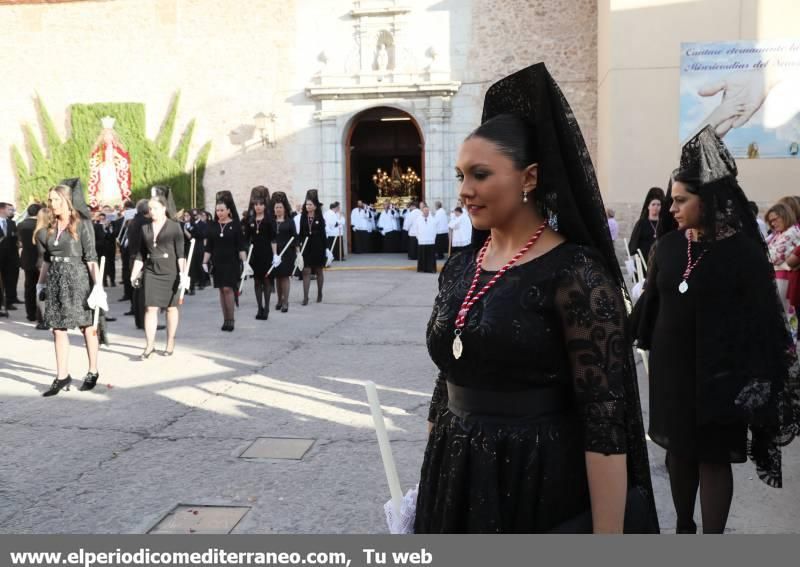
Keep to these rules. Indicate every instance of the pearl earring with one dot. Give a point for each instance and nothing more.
(524, 196)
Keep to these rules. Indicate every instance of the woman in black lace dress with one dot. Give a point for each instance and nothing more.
(69, 279)
(721, 357)
(535, 418)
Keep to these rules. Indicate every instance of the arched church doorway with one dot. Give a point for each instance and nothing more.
(389, 140)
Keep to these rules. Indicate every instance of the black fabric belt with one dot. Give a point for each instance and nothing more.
(538, 402)
(66, 259)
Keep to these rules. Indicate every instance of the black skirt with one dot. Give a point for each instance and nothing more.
(68, 289)
(314, 254)
(226, 275)
(426, 261)
(412, 247)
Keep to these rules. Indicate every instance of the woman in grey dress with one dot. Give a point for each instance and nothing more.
(68, 273)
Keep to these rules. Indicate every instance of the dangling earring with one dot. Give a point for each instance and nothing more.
(524, 196)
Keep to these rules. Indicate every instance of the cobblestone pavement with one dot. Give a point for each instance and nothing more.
(167, 431)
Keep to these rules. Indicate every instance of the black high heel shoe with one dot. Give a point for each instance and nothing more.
(147, 352)
(89, 381)
(57, 386)
(169, 351)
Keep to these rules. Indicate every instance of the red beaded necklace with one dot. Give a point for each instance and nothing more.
(683, 287)
(470, 299)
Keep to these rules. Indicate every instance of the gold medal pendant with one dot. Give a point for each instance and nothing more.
(458, 347)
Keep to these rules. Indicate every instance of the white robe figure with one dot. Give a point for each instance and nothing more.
(332, 228)
(441, 221)
(426, 243)
(388, 221)
(461, 225)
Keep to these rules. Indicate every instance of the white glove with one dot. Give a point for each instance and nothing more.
(185, 282)
(328, 258)
(299, 263)
(276, 261)
(98, 298)
(247, 271)
(40, 287)
(205, 268)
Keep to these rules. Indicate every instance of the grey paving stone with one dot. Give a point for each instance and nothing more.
(277, 448)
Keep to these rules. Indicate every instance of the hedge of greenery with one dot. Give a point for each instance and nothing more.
(151, 161)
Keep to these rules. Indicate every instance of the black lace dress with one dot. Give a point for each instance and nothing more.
(549, 336)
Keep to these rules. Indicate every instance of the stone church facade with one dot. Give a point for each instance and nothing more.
(310, 67)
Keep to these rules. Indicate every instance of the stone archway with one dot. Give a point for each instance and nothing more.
(376, 137)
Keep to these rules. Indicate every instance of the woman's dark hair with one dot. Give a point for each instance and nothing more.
(724, 207)
(227, 206)
(654, 193)
(280, 197)
(142, 207)
(163, 201)
(513, 137)
(313, 196)
(258, 194)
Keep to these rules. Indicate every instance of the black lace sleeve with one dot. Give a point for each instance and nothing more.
(439, 398)
(592, 318)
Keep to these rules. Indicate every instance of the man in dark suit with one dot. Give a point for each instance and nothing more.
(121, 226)
(9, 260)
(29, 261)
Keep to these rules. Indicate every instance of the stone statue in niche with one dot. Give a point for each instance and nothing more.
(382, 58)
(109, 168)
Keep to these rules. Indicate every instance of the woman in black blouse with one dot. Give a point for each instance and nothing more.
(68, 272)
(284, 230)
(312, 227)
(161, 254)
(535, 423)
(225, 248)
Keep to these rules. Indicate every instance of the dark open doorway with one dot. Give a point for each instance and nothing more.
(377, 136)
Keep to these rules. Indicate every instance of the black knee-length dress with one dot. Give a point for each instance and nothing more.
(313, 228)
(284, 231)
(225, 242)
(678, 401)
(260, 234)
(546, 375)
(160, 254)
(68, 281)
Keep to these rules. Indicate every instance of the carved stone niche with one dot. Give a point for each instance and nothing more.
(379, 64)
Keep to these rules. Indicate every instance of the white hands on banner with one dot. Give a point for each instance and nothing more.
(247, 270)
(276, 261)
(743, 94)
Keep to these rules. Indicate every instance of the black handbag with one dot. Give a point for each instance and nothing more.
(638, 518)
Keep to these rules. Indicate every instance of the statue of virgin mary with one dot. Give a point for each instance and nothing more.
(109, 168)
